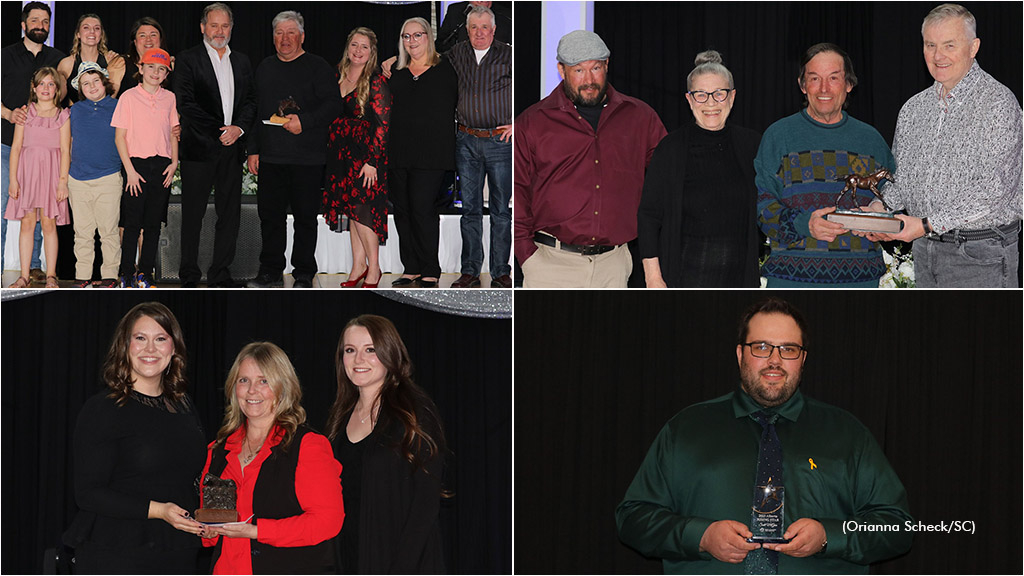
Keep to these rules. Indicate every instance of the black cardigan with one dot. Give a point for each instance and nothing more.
(400, 532)
(660, 216)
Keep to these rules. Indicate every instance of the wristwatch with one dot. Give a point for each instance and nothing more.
(929, 232)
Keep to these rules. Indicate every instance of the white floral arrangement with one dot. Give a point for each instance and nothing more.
(899, 271)
(248, 181)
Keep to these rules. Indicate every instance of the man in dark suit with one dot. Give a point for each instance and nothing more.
(217, 103)
(453, 27)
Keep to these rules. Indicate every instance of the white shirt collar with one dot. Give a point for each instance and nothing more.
(213, 51)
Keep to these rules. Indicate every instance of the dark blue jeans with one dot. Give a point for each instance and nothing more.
(475, 158)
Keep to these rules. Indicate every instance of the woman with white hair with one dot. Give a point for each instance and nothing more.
(696, 223)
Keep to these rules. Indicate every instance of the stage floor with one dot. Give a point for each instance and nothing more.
(321, 281)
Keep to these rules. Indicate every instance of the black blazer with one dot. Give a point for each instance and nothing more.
(199, 104)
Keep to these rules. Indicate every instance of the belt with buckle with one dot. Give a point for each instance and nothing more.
(480, 133)
(960, 236)
(583, 250)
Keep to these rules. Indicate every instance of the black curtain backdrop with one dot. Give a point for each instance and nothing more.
(327, 24)
(55, 344)
(653, 45)
(935, 376)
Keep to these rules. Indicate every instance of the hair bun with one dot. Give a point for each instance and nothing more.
(708, 57)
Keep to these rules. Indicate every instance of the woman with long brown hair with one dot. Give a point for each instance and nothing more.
(387, 434)
(146, 33)
(90, 45)
(138, 447)
(288, 493)
(357, 159)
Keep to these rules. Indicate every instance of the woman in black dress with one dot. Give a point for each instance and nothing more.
(387, 434)
(421, 147)
(357, 164)
(697, 225)
(138, 448)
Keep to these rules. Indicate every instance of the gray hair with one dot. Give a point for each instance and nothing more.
(709, 62)
(217, 6)
(478, 10)
(289, 15)
(947, 11)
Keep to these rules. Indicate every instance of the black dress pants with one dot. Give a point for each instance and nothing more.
(413, 194)
(301, 188)
(223, 173)
(145, 212)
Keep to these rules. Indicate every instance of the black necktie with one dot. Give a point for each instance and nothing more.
(769, 467)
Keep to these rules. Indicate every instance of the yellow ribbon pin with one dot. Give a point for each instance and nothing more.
(813, 465)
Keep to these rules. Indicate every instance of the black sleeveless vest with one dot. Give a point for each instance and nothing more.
(274, 497)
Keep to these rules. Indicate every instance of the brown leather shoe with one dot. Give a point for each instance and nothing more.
(504, 281)
(467, 281)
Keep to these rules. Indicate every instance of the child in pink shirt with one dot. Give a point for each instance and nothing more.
(143, 121)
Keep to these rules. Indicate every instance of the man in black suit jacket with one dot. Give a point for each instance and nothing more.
(453, 27)
(217, 103)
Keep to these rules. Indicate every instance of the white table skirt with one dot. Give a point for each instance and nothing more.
(333, 251)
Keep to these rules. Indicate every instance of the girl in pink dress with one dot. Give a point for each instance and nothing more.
(40, 159)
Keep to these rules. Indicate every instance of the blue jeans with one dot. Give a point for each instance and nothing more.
(475, 158)
(38, 239)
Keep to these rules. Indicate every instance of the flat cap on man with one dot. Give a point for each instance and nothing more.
(581, 45)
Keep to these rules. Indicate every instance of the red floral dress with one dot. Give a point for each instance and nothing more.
(353, 142)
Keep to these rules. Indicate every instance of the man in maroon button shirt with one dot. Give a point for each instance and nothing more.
(580, 157)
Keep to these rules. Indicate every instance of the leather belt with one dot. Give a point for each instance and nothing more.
(961, 236)
(583, 250)
(480, 133)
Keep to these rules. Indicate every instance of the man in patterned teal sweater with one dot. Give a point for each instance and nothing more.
(800, 168)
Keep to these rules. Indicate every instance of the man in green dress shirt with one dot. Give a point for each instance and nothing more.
(690, 502)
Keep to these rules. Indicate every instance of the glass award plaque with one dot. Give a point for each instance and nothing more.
(767, 517)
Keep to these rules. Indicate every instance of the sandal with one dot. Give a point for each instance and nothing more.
(21, 282)
(51, 282)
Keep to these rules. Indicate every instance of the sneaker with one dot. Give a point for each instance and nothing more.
(142, 280)
(124, 282)
(267, 281)
(107, 283)
(81, 284)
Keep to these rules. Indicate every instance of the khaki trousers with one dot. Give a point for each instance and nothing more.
(552, 268)
(96, 205)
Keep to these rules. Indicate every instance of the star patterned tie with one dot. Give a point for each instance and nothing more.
(769, 466)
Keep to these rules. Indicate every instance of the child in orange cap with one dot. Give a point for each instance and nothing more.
(143, 121)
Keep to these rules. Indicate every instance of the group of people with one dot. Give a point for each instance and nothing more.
(343, 142)
(696, 199)
(362, 498)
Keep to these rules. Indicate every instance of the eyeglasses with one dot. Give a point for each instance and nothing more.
(719, 95)
(786, 351)
(416, 35)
